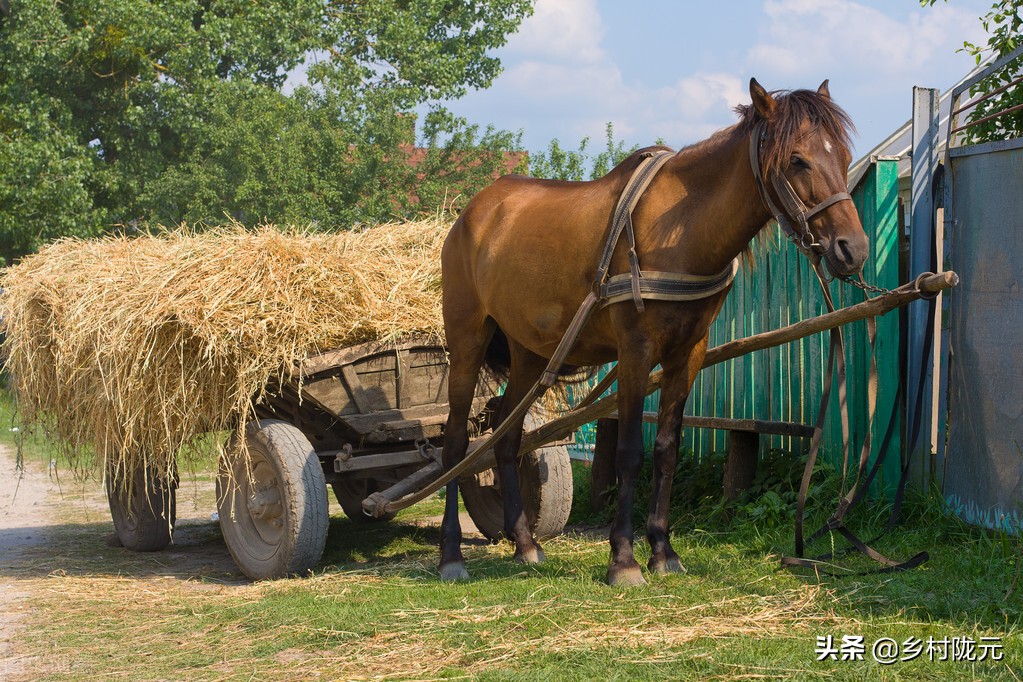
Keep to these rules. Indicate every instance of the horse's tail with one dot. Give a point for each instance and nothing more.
(497, 361)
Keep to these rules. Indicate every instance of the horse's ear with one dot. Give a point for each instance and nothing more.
(763, 103)
(823, 90)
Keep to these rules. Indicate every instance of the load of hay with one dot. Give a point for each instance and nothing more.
(135, 347)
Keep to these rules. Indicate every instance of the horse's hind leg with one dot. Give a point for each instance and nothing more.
(675, 387)
(467, 345)
(526, 368)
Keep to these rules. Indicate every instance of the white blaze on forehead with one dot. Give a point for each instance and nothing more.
(827, 146)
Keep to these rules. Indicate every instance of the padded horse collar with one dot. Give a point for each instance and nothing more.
(795, 210)
(637, 284)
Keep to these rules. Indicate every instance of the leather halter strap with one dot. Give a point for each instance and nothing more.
(795, 218)
(639, 285)
(799, 234)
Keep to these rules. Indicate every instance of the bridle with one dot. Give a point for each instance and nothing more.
(795, 218)
(794, 221)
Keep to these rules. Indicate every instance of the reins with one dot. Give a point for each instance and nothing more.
(861, 483)
(794, 221)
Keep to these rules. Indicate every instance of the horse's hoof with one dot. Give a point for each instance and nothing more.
(665, 566)
(627, 576)
(453, 572)
(533, 555)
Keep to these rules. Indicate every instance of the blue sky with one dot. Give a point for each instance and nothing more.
(674, 69)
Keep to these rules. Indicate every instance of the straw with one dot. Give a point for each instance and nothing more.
(135, 347)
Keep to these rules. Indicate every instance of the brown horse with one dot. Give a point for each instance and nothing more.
(523, 254)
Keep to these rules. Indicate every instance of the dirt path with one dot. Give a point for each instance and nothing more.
(55, 530)
(27, 500)
(53, 525)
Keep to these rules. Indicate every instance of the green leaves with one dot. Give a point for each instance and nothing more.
(116, 114)
(564, 164)
(422, 49)
(1004, 24)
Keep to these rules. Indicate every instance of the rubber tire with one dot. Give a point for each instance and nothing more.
(351, 492)
(545, 481)
(287, 537)
(144, 512)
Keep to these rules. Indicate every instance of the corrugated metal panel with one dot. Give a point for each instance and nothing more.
(784, 383)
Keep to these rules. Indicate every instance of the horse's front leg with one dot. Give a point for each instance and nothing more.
(677, 382)
(632, 379)
(466, 359)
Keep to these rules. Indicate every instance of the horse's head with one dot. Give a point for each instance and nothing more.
(800, 154)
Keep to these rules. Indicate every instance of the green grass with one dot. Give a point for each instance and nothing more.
(378, 611)
(374, 608)
(29, 442)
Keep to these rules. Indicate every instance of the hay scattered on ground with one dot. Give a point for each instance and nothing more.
(135, 347)
(407, 642)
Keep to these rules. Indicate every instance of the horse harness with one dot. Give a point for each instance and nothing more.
(638, 284)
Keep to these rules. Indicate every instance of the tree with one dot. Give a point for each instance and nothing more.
(564, 164)
(1004, 25)
(116, 112)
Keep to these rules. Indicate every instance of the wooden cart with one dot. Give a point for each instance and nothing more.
(364, 419)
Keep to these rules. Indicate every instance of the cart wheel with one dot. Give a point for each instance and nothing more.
(143, 509)
(351, 492)
(273, 505)
(545, 480)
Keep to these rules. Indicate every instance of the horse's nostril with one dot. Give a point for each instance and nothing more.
(843, 250)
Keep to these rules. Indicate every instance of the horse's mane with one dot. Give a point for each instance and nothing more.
(792, 109)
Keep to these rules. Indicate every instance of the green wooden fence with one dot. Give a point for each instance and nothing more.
(784, 383)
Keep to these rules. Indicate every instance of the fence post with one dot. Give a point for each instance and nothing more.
(919, 369)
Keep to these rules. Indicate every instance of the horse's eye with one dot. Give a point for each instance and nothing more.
(799, 163)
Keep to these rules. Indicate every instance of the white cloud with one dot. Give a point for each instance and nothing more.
(808, 37)
(582, 83)
(561, 30)
(873, 59)
(567, 74)
(565, 71)
(703, 94)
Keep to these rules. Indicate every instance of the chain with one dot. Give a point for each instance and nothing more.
(860, 284)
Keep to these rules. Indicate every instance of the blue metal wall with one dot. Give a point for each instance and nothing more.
(983, 463)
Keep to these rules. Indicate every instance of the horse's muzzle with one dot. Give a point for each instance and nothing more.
(846, 255)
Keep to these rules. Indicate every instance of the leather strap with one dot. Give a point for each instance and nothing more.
(638, 285)
(855, 493)
(795, 210)
(663, 286)
(622, 218)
